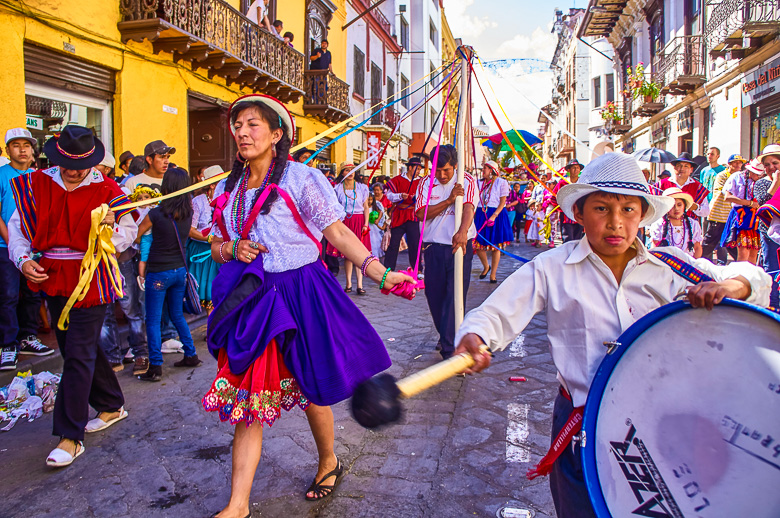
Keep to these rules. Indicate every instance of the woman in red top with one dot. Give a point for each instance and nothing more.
(48, 237)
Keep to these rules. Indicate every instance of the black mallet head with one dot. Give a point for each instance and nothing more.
(377, 402)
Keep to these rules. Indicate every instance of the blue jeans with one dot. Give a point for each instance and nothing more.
(169, 284)
(770, 264)
(131, 307)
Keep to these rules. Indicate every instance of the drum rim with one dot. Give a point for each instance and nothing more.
(599, 384)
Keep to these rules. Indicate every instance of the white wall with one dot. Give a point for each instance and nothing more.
(421, 12)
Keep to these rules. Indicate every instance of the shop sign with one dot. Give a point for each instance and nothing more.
(628, 147)
(660, 131)
(374, 140)
(35, 123)
(763, 82)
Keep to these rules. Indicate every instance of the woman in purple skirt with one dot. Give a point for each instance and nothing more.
(283, 331)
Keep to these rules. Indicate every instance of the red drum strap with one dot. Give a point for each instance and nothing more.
(570, 429)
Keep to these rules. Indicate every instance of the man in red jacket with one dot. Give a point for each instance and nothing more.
(401, 192)
(681, 178)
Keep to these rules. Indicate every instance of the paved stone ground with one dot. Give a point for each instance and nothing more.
(452, 455)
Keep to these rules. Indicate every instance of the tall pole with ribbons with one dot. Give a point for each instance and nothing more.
(465, 54)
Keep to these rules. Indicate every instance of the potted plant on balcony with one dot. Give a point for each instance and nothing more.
(641, 87)
(610, 113)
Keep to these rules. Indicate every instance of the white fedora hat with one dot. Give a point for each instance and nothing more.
(212, 171)
(771, 149)
(617, 173)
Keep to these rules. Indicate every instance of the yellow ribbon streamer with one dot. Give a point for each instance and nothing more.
(100, 249)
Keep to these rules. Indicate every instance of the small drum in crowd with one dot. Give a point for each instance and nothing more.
(683, 416)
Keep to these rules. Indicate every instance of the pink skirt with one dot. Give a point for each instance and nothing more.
(355, 223)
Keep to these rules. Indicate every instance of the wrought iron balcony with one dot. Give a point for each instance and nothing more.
(738, 27)
(326, 97)
(564, 145)
(384, 120)
(679, 68)
(214, 36)
(621, 122)
(646, 106)
(377, 15)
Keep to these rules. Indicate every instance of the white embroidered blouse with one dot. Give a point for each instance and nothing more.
(288, 246)
(201, 213)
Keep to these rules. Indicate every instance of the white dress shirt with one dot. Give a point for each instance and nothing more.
(441, 229)
(125, 230)
(586, 306)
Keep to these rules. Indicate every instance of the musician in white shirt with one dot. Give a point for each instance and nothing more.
(591, 291)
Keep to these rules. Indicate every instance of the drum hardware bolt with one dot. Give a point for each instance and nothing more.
(611, 346)
(579, 438)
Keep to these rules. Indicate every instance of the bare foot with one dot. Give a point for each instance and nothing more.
(324, 468)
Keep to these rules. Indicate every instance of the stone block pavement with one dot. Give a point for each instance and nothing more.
(462, 448)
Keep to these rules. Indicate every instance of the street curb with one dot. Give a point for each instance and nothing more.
(53, 362)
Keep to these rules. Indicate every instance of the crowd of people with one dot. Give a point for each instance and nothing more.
(261, 242)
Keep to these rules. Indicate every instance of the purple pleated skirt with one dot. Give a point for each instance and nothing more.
(325, 340)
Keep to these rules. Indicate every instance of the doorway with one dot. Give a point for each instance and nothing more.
(210, 140)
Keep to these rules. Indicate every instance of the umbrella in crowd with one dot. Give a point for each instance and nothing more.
(655, 155)
(498, 140)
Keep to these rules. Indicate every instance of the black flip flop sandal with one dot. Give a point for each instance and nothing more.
(361, 291)
(321, 491)
(347, 290)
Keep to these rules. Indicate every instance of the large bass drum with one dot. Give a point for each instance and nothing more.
(683, 416)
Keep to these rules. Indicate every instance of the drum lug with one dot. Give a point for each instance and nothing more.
(579, 438)
(611, 346)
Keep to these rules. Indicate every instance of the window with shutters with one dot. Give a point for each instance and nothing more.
(359, 73)
(610, 87)
(404, 33)
(596, 92)
(433, 33)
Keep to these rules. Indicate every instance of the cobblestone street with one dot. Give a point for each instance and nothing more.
(462, 449)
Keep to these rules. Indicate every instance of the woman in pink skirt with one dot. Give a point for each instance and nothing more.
(353, 196)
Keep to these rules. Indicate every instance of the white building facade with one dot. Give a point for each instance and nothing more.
(717, 66)
(377, 73)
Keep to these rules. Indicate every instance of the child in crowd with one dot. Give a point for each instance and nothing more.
(142, 193)
(591, 291)
(676, 228)
(532, 224)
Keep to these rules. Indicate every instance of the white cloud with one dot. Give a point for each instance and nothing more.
(540, 45)
(464, 25)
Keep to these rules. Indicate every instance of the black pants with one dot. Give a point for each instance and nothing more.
(712, 242)
(567, 482)
(572, 231)
(412, 231)
(87, 377)
(440, 286)
(19, 305)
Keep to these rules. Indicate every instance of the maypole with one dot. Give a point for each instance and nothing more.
(465, 53)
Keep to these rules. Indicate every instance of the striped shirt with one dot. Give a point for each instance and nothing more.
(719, 209)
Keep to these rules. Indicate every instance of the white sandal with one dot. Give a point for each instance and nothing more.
(59, 458)
(97, 424)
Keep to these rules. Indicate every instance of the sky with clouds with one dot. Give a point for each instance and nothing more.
(510, 29)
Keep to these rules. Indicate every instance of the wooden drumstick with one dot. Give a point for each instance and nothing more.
(378, 401)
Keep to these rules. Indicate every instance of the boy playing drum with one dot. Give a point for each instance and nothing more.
(591, 291)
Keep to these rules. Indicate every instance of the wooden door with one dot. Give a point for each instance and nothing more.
(210, 139)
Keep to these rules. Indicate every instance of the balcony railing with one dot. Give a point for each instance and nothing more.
(738, 27)
(212, 35)
(564, 146)
(377, 15)
(679, 68)
(621, 125)
(326, 97)
(387, 116)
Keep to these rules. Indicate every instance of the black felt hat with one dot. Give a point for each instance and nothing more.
(76, 147)
(684, 157)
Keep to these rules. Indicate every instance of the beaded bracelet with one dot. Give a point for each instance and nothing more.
(368, 260)
(235, 248)
(221, 255)
(384, 278)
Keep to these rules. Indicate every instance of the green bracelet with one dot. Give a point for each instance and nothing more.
(384, 278)
(235, 248)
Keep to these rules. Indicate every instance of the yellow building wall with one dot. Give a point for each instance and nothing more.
(144, 81)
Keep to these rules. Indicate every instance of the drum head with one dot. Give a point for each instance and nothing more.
(683, 418)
